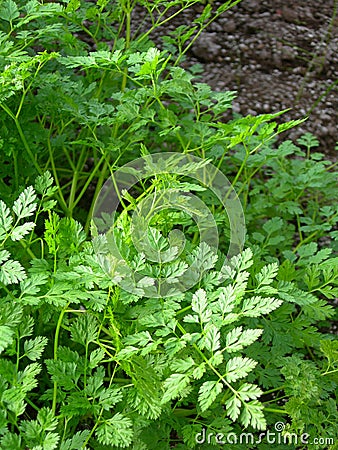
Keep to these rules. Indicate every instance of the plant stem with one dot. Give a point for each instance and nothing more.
(56, 344)
(99, 185)
(276, 411)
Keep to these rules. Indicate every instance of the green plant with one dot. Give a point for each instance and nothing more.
(126, 366)
(81, 125)
(89, 362)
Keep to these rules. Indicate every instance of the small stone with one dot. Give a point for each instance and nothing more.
(229, 26)
(216, 27)
(288, 54)
(251, 5)
(289, 14)
(206, 47)
(264, 55)
(243, 47)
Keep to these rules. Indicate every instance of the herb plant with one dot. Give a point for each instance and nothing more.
(85, 363)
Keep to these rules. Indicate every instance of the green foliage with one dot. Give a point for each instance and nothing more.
(124, 367)
(84, 363)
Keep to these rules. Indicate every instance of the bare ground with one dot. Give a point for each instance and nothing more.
(276, 54)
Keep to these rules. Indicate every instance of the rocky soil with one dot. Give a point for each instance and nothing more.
(276, 54)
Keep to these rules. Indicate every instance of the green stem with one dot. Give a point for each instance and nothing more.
(181, 328)
(127, 11)
(280, 388)
(97, 422)
(185, 412)
(55, 175)
(28, 250)
(160, 23)
(329, 371)
(89, 180)
(8, 292)
(32, 404)
(56, 344)
(276, 411)
(22, 137)
(99, 185)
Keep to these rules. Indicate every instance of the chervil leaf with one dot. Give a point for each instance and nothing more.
(5, 219)
(27, 377)
(252, 414)
(10, 441)
(85, 329)
(96, 357)
(75, 442)
(237, 339)
(43, 184)
(267, 274)
(182, 365)
(78, 404)
(308, 140)
(174, 386)
(233, 405)
(199, 305)
(33, 348)
(50, 441)
(249, 392)
(31, 285)
(239, 367)
(225, 303)
(330, 350)
(257, 306)
(199, 371)
(4, 256)
(110, 397)
(20, 231)
(211, 340)
(26, 326)
(208, 393)
(64, 373)
(146, 396)
(242, 261)
(46, 419)
(116, 431)
(141, 339)
(9, 11)
(6, 337)
(25, 205)
(11, 272)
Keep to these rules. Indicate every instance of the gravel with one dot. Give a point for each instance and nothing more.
(276, 56)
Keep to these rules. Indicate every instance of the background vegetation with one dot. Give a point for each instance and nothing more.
(85, 364)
